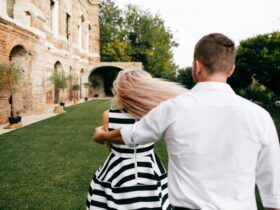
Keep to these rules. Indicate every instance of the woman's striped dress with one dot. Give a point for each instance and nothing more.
(130, 178)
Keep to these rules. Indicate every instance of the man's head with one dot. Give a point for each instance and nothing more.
(214, 58)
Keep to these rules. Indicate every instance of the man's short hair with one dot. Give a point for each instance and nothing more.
(216, 52)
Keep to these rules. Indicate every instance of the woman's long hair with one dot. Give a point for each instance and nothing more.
(137, 92)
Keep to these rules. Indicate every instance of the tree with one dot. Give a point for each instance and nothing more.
(112, 42)
(137, 35)
(185, 77)
(258, 57)
(87, 85)
(258, 93)
(116, 50)
(10, 75)
(151, 42)
(60, 81)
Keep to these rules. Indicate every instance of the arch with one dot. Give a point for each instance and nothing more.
(23, 97)
(57, 68)
(102, 79)
(17, 51)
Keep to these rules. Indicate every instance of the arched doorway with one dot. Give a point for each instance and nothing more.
(23, 96)
(102, 79)
(57, 68)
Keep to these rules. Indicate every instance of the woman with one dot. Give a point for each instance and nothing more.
(132, 178)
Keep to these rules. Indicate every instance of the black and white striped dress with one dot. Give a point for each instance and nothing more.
(130, 178)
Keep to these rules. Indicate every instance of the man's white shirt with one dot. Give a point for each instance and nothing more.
(219, 145)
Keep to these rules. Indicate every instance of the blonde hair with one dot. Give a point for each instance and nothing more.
(137, 92)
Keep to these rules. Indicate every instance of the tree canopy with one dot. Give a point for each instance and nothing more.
(185, 77)
(259, 58)
(136, 35)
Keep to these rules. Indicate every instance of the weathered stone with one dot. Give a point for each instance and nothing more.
(38, 34)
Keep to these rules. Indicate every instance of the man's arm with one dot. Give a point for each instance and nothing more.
(101, 136)
(149, 129)
(268, 169)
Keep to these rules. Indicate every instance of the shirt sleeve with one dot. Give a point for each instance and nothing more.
(268, 169)
(150, 128)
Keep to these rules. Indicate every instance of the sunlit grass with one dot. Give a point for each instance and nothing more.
(48, 165)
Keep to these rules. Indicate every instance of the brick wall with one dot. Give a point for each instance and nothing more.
(33, 32)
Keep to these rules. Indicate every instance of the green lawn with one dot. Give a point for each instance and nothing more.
(48, 165)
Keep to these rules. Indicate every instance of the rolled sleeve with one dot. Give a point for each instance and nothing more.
(150, 128)
(270, 201)
(126, 133)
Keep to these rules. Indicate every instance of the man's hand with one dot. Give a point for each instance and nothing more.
(102, 136)
(99, 135)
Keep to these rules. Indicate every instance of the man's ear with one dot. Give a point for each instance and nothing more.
(231, 71)
(198, 68)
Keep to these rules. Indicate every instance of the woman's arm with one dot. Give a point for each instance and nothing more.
(105, 123)
(113, 136)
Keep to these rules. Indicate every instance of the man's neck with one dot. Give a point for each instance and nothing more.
(213, 78)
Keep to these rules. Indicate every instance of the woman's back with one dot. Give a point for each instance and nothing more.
(130, 178)
(118, 119)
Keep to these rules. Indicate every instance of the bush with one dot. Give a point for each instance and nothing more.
(258, 93)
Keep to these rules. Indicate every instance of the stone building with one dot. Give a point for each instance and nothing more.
(44, 36)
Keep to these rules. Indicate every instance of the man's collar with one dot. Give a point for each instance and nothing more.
(216, 86)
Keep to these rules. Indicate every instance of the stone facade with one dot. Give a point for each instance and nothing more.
(44, 36)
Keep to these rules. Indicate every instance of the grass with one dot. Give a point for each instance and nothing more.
(48, 165)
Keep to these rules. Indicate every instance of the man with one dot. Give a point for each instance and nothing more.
(219, 144)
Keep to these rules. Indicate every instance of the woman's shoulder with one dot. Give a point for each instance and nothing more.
(119, 113)
(114, 110)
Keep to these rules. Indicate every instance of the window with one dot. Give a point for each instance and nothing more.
(80, 32)
(68, 19)
(27, 19)
(54, 16)
(10, 8)
(87, 37)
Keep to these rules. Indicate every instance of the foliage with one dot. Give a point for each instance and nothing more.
(10, 75)
(87, 85)
(151, 42)
(185, 77)
(258, 93)
(112, 42)
(60, 81)
(95, 83)
(116, 50)
(137, 35)
(76, 89)
(258, 57)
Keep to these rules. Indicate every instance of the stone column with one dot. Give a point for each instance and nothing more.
(94, 32)
(3, 8)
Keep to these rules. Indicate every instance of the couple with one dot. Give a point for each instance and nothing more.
(219, 144)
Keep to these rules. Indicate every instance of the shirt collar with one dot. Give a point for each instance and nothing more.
(216, 86)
